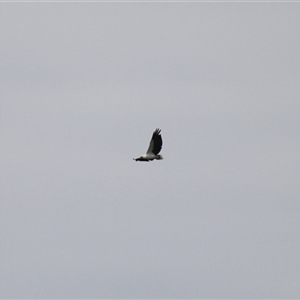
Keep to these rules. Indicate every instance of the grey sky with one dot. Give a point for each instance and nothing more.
(83, 87)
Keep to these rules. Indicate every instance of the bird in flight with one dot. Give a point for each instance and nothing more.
(154, 148)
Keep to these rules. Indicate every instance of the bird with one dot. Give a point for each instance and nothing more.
(154, 148)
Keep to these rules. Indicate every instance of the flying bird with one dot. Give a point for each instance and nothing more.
(154, 148)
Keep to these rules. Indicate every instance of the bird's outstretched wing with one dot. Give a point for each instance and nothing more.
(155, 143)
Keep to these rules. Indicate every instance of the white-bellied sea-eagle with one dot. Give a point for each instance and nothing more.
(154, 148)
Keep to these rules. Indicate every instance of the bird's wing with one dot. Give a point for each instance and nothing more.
(155, 143)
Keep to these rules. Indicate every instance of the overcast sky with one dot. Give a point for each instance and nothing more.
(83, 87)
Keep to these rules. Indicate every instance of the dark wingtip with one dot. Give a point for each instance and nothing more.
(157, 131)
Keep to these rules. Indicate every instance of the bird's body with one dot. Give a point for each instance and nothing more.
(154, 148)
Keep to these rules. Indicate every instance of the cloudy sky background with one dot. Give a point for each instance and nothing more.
(83, 87)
